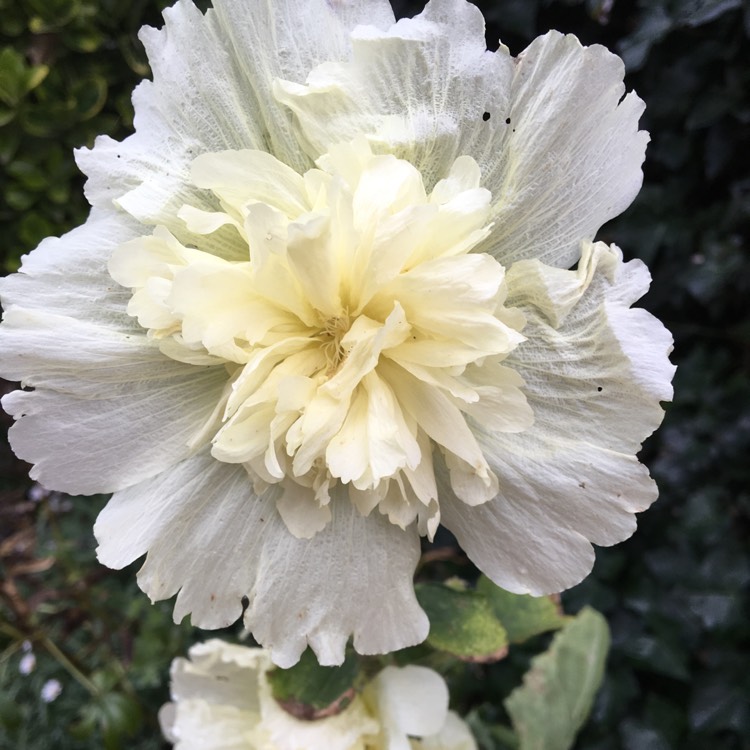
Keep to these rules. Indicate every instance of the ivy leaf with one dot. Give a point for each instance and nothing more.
(522, 616)
(308, 691)
(462, 623)
(558, 691)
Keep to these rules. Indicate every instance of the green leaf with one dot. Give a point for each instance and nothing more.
(522, 616)
(6, 114)
(115, 715)
(34, 227)
(18, 198)
(47, 120)
(85, 39)
(35, 76)
(53, 14)
(652, 27)
(462, 623)
(309, 691)
(11, 716)
(120, 717)
(16, 77)
(489, 735)
(12, 76)
(697, 12)
(90, 95)
(558, 691)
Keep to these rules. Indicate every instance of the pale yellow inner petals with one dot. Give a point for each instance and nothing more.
(360, 332)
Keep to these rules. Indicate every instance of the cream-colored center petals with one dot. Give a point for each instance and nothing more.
(359, 331)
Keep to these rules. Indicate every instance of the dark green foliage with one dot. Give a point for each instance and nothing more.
(309, 691)
(675, 596)
(67, 68)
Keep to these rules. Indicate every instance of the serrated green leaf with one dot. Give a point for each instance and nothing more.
(309, 691)
(522, 616)
(462, 623)
(558, 691)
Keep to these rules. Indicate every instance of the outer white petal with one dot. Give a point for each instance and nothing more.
(557, 144)
(102, 391)
(216, 694)
(594, 384)
(197, 725)
(455, 735)
(411, 89)
(210, 92)
(410, 700)
(220, 673)
(574, 151)
(594, 368)
(354, 577)
(68, 275)
(215, 542)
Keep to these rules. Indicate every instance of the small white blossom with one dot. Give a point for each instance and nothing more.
(323, 304)
(27, 664)
(221, 700)
(51, 690)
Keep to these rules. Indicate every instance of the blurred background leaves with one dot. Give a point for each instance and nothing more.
(675, 596)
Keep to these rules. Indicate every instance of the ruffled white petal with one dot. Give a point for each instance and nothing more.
(356, 578)
(68, 276)
(572, 478)
(594, 368)
(557, 144)
(220, 673)
(103, 392)
(216, 697)
(211, 91)
(215, 542)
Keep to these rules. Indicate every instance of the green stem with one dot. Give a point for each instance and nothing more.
(56, 653)
(66, 663)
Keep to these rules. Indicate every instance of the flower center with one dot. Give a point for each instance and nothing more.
(362, 337)
(331, 335)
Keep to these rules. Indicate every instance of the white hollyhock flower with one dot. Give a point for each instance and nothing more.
(221, 700)
(322, 304)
